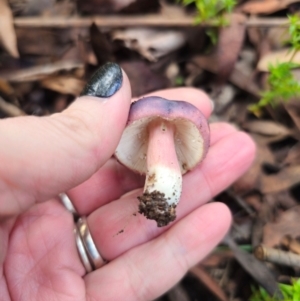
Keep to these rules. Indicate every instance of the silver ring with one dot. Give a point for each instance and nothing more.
(96, 259)
(68, 204)
(82, 252)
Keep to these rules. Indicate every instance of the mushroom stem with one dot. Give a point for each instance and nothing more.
(163, 184)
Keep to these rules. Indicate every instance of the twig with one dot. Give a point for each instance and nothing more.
(277, 256)
(10, 109)
(104, 21)
(240, 201)
(255, 268)
(132, 21)
(267, 22)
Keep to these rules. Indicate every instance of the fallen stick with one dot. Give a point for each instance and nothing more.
(277, 256)
(132, 21)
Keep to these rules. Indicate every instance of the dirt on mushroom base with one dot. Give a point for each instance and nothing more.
(155, 206)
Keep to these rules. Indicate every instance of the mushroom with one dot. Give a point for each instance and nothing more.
(163, 140)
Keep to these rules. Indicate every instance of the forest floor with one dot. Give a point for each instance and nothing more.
(48, 49)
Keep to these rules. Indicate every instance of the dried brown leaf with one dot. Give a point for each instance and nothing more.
(145, 80)
(258, 37)
(64, 84)
(223, 61)
(172, 11)
(293, 109)
(279, 56)
(40, 72)
(37, 41)
(206, 62)
(244, 82)
(293, 156)
(7, 31)
(266, 6)
(284, 179)
(268, 128)
(32, 7)
(254, 35)
(265, 214)
(277, 36)
(10, 109)
(237, 77)
(216, 258)
(285, 200)
(150, 43)
(230, 42)
(49, 43)
(254, 200)
(291, 244)
(141, 6)
(251, 179)
(286, 224)
(101, 46)
(113, 6)
(102, 6)
(6, 88)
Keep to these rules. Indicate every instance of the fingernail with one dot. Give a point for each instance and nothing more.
(105, 82)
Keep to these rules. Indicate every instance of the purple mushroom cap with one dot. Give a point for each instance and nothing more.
(191, 138)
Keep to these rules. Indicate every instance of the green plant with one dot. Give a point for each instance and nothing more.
(282, 84)
(294, 31)
(211, 9)
(289, 292)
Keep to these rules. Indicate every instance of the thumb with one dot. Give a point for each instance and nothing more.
(42, 156)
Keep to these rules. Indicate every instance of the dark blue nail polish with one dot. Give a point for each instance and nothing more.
(105, 82)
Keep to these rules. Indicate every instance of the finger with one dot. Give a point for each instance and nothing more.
(147, 271)
(41, 157)
(226, 161)
(5, 227)
(192, 95)
(107, 184)
(113, 180)
(219, 130)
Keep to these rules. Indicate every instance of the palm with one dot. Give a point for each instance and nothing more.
(41, 262)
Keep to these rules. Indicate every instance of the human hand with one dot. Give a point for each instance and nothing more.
(71, 151)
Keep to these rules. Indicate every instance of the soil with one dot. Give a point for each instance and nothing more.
(154, 206)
